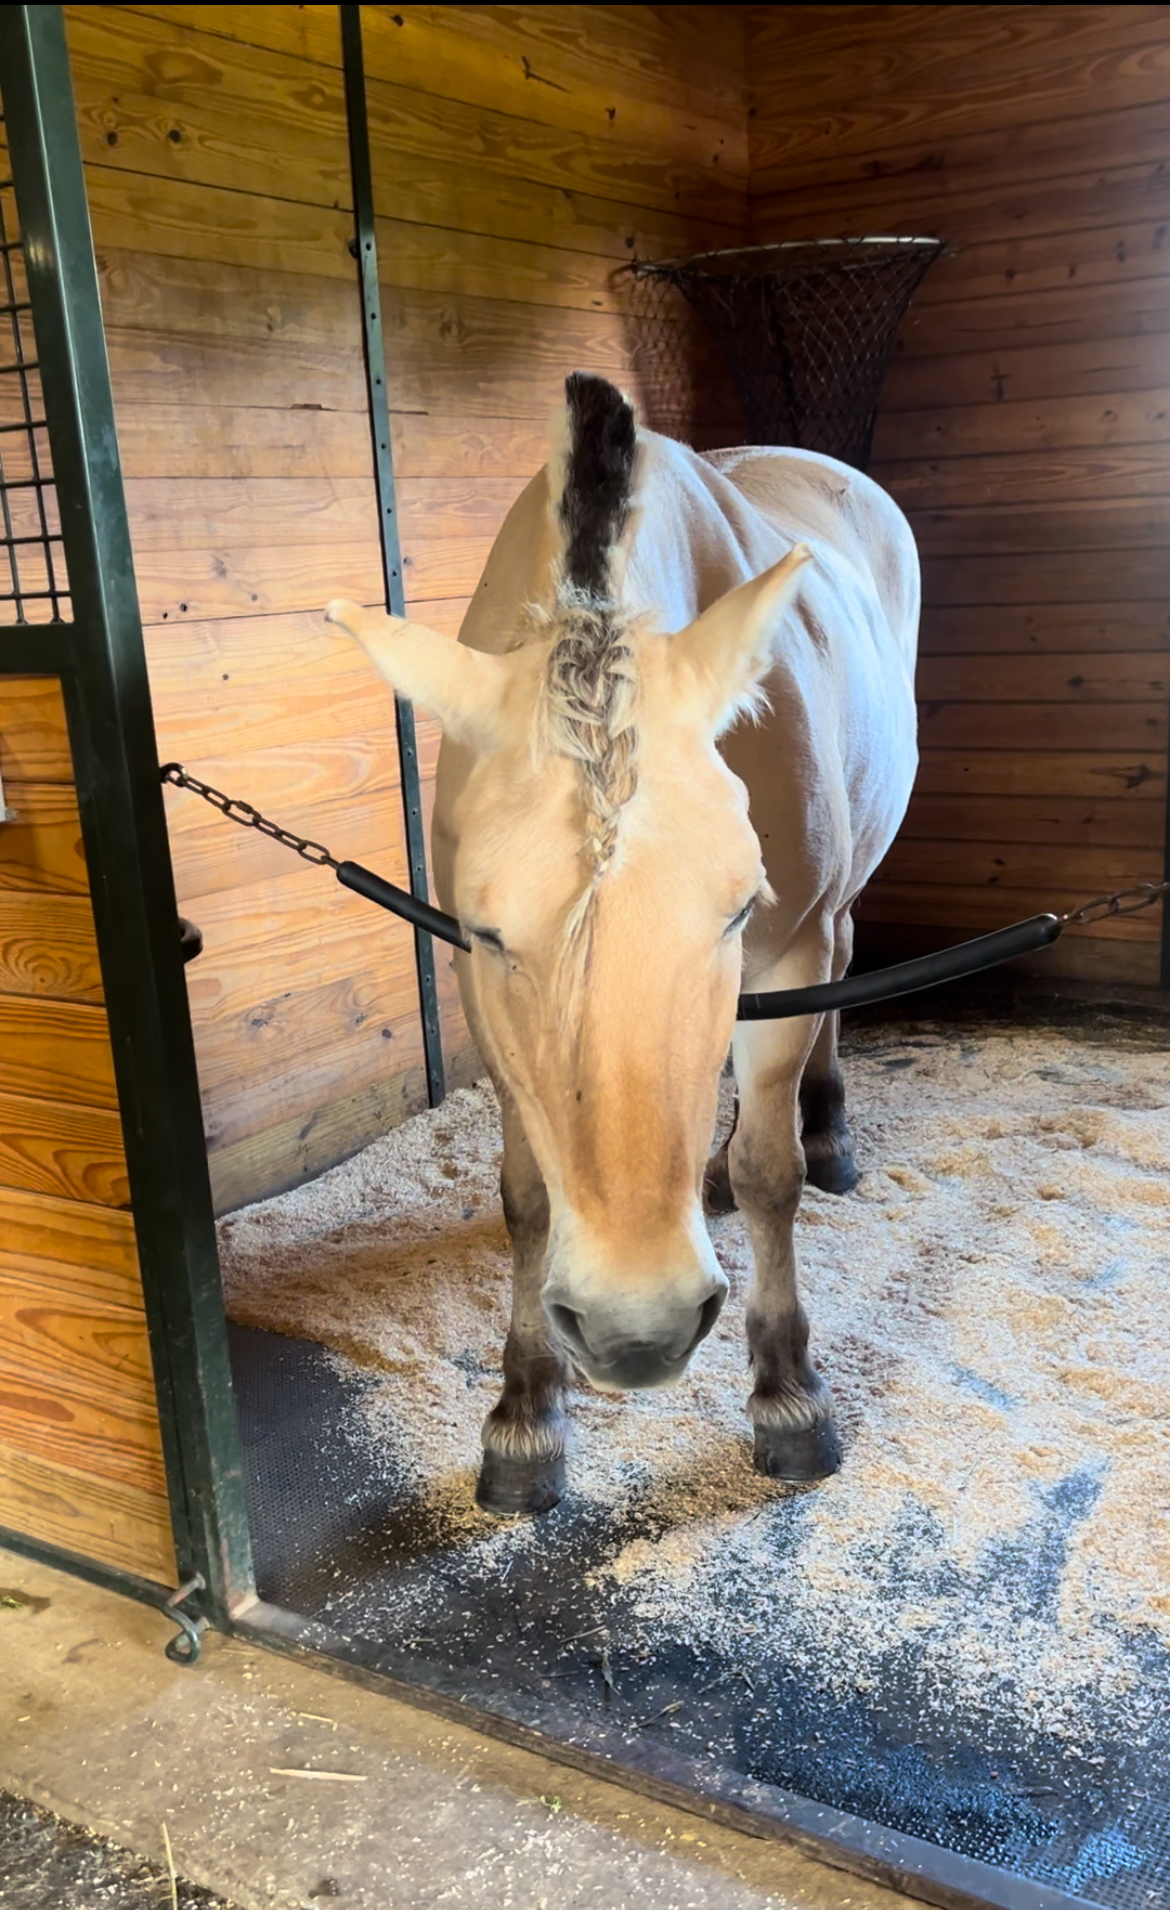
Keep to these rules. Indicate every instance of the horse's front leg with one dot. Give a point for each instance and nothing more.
(790, 1406)
(829, 1159)
(524, 1434)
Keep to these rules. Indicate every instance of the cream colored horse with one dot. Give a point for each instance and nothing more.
(620, 877)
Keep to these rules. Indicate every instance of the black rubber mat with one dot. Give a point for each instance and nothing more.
(358, 1552)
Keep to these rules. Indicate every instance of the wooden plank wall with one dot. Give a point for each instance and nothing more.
(521, 156)
(80, 1454)
(1024, 425)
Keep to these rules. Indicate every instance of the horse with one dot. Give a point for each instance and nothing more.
(678, 738)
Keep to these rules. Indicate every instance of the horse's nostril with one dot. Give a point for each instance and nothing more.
(568, 1325)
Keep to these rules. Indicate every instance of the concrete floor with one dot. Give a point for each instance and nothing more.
(97, 1725)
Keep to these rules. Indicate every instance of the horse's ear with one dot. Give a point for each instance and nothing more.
(725, 652)
(463, 688)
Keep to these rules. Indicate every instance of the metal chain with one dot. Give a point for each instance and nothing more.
(1119, 903)
(248, 817)
(1095, 910)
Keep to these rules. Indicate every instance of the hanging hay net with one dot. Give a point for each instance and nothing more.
(807, 327)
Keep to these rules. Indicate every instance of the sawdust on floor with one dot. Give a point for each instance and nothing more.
(989, 1306)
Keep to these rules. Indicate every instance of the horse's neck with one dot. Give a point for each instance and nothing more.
(695, 537)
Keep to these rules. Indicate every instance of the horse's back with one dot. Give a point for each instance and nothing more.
(807, 495)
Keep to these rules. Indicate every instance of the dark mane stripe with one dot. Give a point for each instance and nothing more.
(594, 508)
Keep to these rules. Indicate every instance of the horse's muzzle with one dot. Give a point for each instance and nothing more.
(624, 1357)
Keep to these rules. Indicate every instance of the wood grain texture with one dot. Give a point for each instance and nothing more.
(58, 1050)
(1027, 477)
(1110, 678)
(227, 689)
(982, 908)
(1099, 629)
(1052, 578)
(1075, 957)
(189, 513)
(79, 1350)
(943, 195)
(1138, 727)
(50, 1147)
(48, 947)
(1023, 430)
(1093, 868)
(185, 104)
(1133, 824)
(1023, 373)
(108, 1437)
(114, 1523)
(580, 74)
(1001, 428)
(1088, 776)
(75, 1251)
(306, 1146)
(450, 356)
(41, 850)
(34, 742)
(930, 75)
(521, 158)
(1122, 528)
(219, 224)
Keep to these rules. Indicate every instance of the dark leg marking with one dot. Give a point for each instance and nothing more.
(830, 1163)
(523, 1467)
(790, 1406)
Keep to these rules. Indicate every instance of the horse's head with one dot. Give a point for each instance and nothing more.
(604, 869)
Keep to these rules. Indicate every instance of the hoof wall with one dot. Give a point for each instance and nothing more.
(832, 1173)
(800, 1457)
(512, 1487)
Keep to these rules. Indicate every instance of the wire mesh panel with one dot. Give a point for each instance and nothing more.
(33, 579)
(807, 328)
(672, 359)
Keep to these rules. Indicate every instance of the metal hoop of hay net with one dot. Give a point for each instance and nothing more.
(807, 327)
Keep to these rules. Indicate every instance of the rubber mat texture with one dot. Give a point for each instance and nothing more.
(352, 1546)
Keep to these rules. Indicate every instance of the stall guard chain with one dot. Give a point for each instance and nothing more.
(949, 964)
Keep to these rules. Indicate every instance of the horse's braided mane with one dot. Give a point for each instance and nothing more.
(591, 684)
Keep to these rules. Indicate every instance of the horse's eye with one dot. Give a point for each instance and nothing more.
(489, 938)
(741, 920)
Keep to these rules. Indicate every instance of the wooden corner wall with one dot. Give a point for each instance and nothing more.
(1024, 426)
(521, 156)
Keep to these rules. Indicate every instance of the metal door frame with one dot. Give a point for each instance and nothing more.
(100, 660)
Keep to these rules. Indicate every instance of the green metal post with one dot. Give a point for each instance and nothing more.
(102, 663)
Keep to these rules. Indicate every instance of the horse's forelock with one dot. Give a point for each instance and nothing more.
(591, 684)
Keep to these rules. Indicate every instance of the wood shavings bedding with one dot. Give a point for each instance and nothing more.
(990, 1307)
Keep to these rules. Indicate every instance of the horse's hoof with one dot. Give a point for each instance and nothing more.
(511, 1487)
(832, 1173)
(800, 1457)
